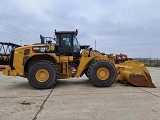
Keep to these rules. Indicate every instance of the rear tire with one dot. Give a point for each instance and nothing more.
(43, 75)
(102, 73)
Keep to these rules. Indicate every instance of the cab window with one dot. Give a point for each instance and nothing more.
(66, 40)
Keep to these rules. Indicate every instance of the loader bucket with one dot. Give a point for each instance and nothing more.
(135, 73)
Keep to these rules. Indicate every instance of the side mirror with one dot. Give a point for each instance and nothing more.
(90, 49)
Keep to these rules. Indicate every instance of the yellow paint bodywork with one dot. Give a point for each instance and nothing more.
(103, 73)
(42, 75)
(133, 72)
(23, 54)
(88, 56)
(9, 72)
(18, 60)
(21, 57)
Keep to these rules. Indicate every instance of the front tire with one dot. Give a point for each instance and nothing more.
(102, 73)
(43, 75)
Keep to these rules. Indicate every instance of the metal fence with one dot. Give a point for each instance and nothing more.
(153, 62)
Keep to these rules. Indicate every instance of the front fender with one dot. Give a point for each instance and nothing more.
(84, 61)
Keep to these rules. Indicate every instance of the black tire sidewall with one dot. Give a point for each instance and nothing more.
(42, 65)
(109, 80)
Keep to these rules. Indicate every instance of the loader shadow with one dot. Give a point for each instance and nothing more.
(86, 83)
(126, 84)
(61, 83)
(66, 83)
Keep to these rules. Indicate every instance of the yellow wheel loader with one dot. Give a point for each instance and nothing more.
(46, 62)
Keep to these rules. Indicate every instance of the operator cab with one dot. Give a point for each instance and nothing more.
(67, 44)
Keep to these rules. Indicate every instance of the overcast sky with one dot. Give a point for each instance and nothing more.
(131, 27)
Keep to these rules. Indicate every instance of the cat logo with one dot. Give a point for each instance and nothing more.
(42, 49)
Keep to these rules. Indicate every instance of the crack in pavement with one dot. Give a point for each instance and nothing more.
(41, 107)
(149, 92)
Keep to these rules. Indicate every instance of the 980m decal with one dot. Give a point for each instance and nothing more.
(40, 49)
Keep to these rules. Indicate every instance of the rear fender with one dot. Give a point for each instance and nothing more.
(32, 59)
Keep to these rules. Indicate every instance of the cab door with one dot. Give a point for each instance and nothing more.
(66, 44)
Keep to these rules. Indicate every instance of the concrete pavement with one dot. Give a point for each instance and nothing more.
(77, 99)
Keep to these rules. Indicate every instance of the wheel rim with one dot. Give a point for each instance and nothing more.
(102, 73)
(42, 75)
